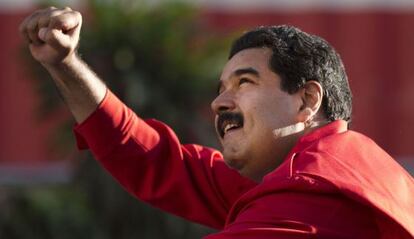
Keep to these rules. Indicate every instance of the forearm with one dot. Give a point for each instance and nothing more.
(52, 35)
(80, 87)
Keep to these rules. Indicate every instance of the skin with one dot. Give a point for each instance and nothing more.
(52, 36)
(273, 119)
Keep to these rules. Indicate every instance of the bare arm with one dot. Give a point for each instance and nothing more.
(53, 35)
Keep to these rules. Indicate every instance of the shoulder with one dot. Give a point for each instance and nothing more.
(350, 150)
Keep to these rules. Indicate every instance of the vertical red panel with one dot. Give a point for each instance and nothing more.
(23, 137)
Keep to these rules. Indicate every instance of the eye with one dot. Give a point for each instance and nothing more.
(244, 80)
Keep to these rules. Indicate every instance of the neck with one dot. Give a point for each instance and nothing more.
(299, 129)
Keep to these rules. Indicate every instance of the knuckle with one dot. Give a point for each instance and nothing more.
(54, 13)
(23, 25)
(31, 23)
(31, 26)
(37, 12)
(43, 21)
(78, 14)
(54, 21)
(58, 19)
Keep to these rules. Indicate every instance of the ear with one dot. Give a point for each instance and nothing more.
(311, 95)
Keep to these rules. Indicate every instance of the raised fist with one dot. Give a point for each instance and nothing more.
(52, 34)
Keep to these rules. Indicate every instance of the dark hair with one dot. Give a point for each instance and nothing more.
(299, 57)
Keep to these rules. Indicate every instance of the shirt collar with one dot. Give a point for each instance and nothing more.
(335, 127)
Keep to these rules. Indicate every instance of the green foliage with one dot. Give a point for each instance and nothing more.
(159, 60)
(163, 63)
(52, 212)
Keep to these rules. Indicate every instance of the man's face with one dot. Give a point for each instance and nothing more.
(249, 106)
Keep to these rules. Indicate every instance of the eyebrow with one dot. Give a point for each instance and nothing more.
(248, 70)
(239, 72)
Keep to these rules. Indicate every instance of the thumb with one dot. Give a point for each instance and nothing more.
(55, 38)
(42, 33)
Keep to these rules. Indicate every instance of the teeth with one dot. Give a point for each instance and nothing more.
(229, 126)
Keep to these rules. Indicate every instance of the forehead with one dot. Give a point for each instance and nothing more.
(256, 58)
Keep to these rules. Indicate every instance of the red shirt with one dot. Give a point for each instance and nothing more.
(335, 183)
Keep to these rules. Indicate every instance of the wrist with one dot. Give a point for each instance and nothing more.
(67, 62)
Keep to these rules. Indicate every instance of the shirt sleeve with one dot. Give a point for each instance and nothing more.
(147, 159)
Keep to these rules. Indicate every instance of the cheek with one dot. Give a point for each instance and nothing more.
(275, 113)
(268, 108)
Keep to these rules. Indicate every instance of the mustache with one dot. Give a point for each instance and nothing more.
(223, 117)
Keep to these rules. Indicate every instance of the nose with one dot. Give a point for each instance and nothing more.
(223, 102)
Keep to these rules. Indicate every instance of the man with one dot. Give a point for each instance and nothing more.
(290, 168)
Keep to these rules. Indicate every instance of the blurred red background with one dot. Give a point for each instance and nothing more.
(377, 46)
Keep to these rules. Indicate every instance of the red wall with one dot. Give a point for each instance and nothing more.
(24, 137)
(377, 48)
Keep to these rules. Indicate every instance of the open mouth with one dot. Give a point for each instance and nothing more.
(228, 121)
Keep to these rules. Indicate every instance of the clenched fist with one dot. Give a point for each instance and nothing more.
(52, 34)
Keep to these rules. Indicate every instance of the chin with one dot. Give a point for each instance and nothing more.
(239, 165)
(233, 162)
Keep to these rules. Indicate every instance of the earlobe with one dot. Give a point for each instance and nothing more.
(308, 113)
(311, 95)
(305, 115)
